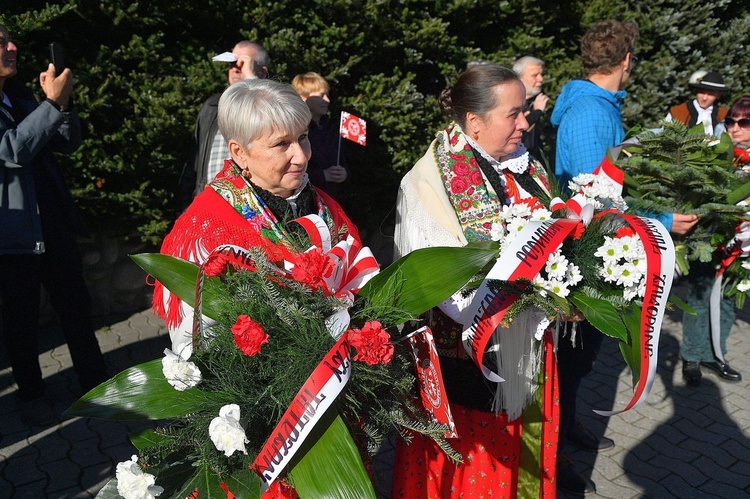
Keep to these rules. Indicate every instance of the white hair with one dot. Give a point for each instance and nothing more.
(250, 109)
(520, 65)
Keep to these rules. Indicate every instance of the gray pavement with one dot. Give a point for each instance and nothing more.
(682, 442)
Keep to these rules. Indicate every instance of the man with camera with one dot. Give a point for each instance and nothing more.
(38, 224)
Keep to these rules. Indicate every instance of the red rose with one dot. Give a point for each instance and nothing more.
(216, 264)
(460, 168)
(373, 344)
(476, 177)
(248, 335)
(312, 267)
(459, 185)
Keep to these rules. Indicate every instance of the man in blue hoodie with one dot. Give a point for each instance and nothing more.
(587, 115)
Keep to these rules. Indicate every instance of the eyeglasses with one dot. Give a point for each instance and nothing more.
(633, 61)
(742, 123)
(4, 41)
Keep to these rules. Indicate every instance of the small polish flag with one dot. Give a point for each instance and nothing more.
(353, 128)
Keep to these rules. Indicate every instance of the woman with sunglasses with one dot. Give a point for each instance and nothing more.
(696, 350)
(737, 125)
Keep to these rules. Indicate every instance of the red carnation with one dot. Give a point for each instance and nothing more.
(248, 335)
(312, 267)
(625, 231)
(741, 155)
(216, 264)
(373, 344)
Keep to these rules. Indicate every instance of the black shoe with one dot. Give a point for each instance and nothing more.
(723, 370)
(584, 439)
(691, 372)
(37, 412)
(570, 481)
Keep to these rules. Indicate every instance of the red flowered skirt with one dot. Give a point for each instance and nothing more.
(501, 458)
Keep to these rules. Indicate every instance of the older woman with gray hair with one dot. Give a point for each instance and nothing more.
(262, 187)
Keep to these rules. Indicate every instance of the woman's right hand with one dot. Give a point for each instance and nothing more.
(58, 88)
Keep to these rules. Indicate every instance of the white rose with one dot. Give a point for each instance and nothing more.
(133, 483)
(225, 431)
(178, 371)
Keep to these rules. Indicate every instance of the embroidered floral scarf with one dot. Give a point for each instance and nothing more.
(476, 202)
(240, 194)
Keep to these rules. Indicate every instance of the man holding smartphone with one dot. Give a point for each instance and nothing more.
(249, 60)
(38, 224)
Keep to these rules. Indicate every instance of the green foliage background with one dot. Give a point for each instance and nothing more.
(143, 69)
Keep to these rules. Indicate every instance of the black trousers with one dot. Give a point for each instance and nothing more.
(59, 269)
(573, 363)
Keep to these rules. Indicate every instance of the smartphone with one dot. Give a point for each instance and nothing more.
(57, 57)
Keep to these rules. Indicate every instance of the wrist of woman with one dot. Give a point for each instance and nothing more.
(54, 103)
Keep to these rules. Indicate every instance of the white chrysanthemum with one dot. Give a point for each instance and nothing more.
(178, 371)
(581, 180)
(573, 274)
(540, 283)
(629, 275)
(609, 251)
(556, 266)
(225, 431)
(746, 265)
(743, 285)
(515, 225)
(630, 292)
(629, 247)
(541, 214)
(497, 232)
(133, 483)
(609, 272)
(640, 263)
(558, 287)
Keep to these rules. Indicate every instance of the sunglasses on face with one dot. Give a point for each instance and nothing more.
(742, 123)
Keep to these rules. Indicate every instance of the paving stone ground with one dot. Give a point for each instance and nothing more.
(682, 442)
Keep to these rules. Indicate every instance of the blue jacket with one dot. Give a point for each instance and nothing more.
(30, 177)
(589, 122)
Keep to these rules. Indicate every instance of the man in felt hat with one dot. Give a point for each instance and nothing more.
(248, 60)
(709, 87)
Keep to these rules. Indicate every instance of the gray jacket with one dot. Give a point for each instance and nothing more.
(28, 135)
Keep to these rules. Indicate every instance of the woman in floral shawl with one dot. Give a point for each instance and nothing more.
(507, 432)
(262, 187)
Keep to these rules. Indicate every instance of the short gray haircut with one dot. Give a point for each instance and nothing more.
(250, 109)
(520, 65)
(261, 55)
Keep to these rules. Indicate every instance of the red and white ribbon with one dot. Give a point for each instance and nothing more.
(523, 258)
(659, 274)
(315, 397)
(579, 207)
(354, 264)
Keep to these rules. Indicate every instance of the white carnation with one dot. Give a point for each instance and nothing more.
(225, 431)
(133, 483)
(178, 371)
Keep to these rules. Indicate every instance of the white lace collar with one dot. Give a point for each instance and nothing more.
(517, 161)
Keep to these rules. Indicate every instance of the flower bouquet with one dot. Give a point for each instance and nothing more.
(301, 375)
(579, 258)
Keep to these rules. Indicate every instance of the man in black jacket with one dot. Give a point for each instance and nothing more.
(248, 60)
(38, 224)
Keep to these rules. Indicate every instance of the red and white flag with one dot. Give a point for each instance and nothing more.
(353, 128)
